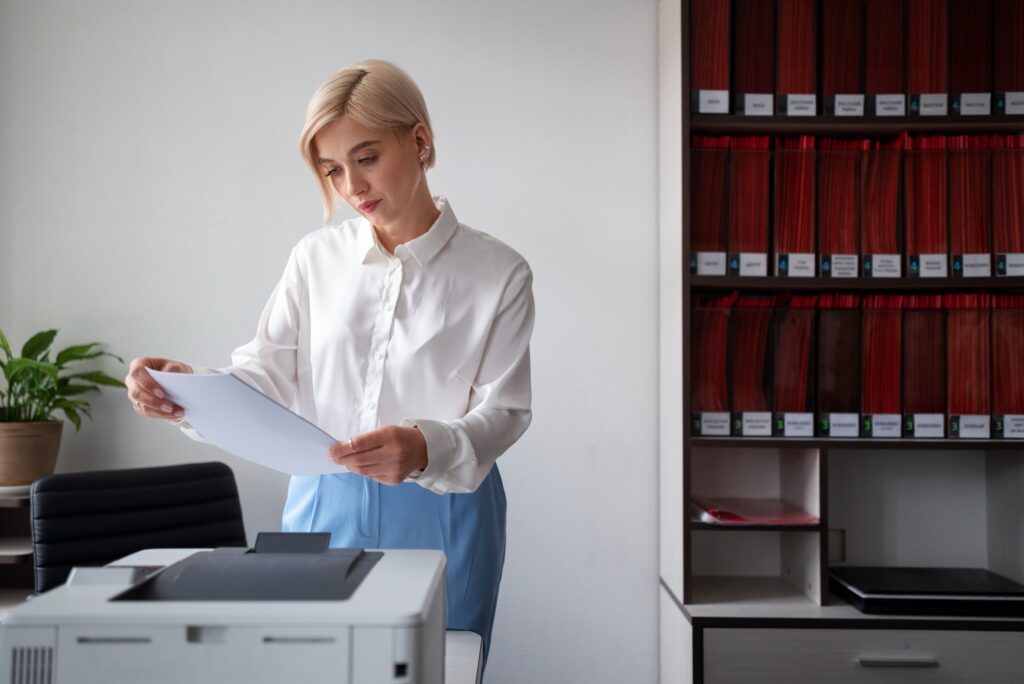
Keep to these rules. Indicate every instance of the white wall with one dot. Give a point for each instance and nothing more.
(150, 189)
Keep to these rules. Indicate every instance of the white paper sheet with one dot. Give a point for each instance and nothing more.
(245, 422)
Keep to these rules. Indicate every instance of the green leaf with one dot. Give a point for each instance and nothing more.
(69, 403)
(20, 365)
(72, 415)
(75, 353)
(38, 344)
(5, 345)
(72, 390)
(99, 378)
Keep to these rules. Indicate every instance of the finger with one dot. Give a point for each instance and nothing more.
(381, 474)
(375, 438)
(154, 398)
(146, 382)
(158, 411)
(143, 400)
(360, 459)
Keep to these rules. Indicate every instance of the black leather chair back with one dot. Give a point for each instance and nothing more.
(93, 518)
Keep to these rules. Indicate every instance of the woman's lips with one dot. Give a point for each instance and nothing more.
(368, 207)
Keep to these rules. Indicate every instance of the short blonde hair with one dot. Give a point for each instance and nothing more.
(376, 94)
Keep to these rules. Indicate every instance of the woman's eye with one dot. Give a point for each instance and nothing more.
(331, 172)
(367, 160)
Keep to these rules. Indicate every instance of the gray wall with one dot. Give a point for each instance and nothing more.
(150, 189)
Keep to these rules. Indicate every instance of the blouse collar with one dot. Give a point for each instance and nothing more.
(423, 248)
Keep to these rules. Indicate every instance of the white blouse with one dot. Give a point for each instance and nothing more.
(436, 335)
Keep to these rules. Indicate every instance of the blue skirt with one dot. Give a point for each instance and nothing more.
(469, 528)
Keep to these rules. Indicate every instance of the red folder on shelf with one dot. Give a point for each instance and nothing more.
(744, 511)
(927, 56)
(796, 72)
(842, 49)
(709, 56)
(970, 57)
(884, 62)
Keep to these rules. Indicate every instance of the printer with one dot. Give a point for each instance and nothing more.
(288, 610)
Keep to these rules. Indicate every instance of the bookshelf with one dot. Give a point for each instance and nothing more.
(726, 591)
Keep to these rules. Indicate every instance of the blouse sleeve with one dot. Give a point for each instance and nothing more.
(268, 362)
(461, 452)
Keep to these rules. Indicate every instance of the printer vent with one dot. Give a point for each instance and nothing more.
(32, 665)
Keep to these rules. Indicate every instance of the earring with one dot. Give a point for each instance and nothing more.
(426, 153)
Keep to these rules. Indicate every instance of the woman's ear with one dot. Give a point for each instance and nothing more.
(421, 136)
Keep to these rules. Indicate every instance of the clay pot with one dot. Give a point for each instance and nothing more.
(28, 451)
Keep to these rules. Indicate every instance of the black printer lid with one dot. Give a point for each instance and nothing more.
(281, 567)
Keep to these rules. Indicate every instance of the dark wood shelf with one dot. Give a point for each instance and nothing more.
(728, 124)
(768, 283)
(697, 525)
(854, 443)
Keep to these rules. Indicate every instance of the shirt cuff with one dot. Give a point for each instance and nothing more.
(441, 454)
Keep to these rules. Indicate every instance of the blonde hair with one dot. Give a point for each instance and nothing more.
(376, 94)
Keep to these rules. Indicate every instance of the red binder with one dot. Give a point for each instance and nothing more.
(842, 47)
(925, 204)
(796, 70)
(795, 204)
(709, 52)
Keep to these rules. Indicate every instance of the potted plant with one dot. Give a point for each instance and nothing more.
(36, 388)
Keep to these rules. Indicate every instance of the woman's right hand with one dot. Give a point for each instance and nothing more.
(147, 397)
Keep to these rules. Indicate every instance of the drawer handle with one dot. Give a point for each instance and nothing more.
(896, 661)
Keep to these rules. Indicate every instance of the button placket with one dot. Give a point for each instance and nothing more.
(380, 338)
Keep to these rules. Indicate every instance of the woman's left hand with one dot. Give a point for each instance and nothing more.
(387, 454)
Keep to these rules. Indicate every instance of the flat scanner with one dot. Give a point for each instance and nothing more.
(289, 609)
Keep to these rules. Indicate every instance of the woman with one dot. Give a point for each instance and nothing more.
(401, 328)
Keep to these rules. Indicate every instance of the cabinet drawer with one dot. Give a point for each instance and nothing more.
(872, 656)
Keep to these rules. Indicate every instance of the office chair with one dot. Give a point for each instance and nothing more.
(93, 518)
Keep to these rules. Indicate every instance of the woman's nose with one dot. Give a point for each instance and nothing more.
(356, 184)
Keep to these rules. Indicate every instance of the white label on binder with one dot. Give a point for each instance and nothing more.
(885, 266)
(714, 424)
(933, 266)
(975, 104)
(713, 101)
(977, 265)
(1015, 103)
(798, 425)
(1015, 264)
(801, 105)
(757, 424)
(891, 105)
(844, 265)
(753, 264)
(1013, 427)
(886, 425)
(849, 105)
(933, 104)
(929, 425)
(710, 263)
(974, 427)
(801, 265)
(757, 104)
(844, 425)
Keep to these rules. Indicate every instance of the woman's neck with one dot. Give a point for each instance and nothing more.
(417, 221)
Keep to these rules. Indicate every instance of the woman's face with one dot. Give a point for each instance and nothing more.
(377, 172)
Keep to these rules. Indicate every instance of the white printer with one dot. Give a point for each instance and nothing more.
(280, 612)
